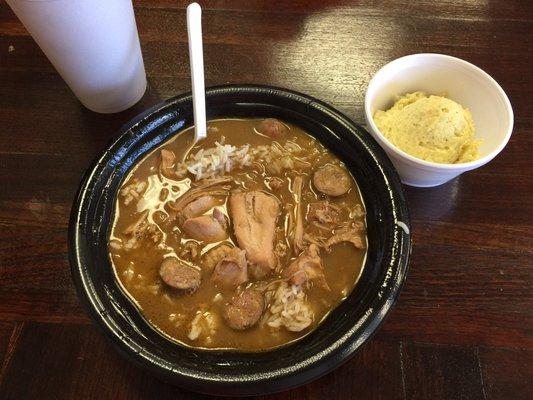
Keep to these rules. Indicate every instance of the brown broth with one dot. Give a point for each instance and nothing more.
(171, 311)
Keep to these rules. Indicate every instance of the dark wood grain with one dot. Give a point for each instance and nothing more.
(507, 373)
(66, 361)
(463, 326)
(448, 372)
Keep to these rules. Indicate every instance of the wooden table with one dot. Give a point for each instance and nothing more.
(463, 326)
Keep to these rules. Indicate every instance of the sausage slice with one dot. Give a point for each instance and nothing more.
(179, 275)
(244, 310)
(332, 180)
(272, 128)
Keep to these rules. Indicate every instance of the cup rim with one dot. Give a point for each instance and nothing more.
(418, 161)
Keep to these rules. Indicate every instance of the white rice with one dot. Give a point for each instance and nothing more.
(133, 191)
(223, 158)
(202, 324)
(289, 308)
(215, 161)
(177, 319)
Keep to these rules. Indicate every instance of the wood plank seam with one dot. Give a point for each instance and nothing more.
(402, 371)
(480, 372)
(12, 345)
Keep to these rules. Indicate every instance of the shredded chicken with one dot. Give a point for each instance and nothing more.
(324, 215)
(307, 267)
(167, 164)
(299, 225)
(140, 229)
(348, 234)
(205, 189)
(190, 251)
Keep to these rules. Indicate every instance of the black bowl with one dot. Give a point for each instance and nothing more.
(344, 331)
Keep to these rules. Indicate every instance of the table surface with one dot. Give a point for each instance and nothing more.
(463, 325)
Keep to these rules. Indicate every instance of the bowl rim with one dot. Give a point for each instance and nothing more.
(418, 161)
(286, 377)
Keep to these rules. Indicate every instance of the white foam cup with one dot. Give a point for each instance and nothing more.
(93, 44)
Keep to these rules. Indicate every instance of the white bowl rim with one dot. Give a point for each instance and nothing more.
(459, 166)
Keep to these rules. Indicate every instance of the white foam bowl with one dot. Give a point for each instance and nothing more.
(459, 80)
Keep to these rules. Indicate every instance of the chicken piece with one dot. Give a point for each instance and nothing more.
(332, 180)
(298, 238)
(244, 309)
(167, 164)
(281, 249)
(205, 228)
(138, 228)
(348, 234)
(190, 251)
(254, 217)
(214, 255)
(198, 207)
(231, 271)
(315, 239)
(324, 214)
(205, 189)
(307, 267)
(179, 275)
(273, 128)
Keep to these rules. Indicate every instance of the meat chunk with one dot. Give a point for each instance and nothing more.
(207, 188)
(298, 238)
(324, 214)
(167, 164)
(190, 251)
(231, 271)
(273, 128)
(205, 228)
(244, 309)
(307, 267)
(274, 183)
(214, 255)
(141, 229)
(220, 217)
(198, 207)
(254, 217)
(348, 234)
(332, 180)
(179, 275)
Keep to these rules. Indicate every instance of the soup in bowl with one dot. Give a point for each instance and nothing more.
(256, 261)
(244, 244)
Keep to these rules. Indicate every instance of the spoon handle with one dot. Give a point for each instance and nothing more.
(196, 55)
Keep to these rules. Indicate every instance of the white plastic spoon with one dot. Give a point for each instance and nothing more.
(196, 56)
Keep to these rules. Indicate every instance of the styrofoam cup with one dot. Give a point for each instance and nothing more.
(460, 81)
(93, 44)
